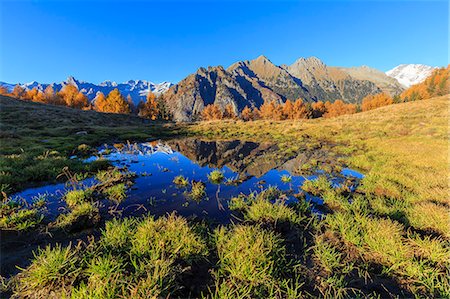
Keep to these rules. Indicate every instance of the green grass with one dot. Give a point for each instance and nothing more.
(198, 191)
(37, 140)
(82, 215)
(51, 270)
(216, 176)
(76, 197)
(116, 193)
(169, 237)
(251, 261)
(389, 236)
(15, 214)
(180, 181)
(286, 178)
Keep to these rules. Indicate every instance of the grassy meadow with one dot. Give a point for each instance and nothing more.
(388, 239)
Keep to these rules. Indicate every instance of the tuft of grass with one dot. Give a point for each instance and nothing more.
(166, 237)
(198, 190)
(317, 186)
(20, 220)
(249, 258)
(118, 233)
(263, 211)
(180, 181)
(76, 197)
(216, 176)
(109, 175)
(116, 193)
(81, 216)
(286, 178)
(51, 271)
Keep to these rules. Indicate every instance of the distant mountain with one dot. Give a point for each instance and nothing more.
(253, 82)
(410, 74)
(137, 89)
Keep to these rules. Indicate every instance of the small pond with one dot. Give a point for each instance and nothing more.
(247, 167)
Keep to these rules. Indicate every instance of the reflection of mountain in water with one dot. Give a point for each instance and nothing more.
(244, 157)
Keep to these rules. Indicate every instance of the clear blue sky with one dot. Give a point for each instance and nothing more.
(159, 41)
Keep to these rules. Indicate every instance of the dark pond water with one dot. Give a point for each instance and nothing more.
(247, 167)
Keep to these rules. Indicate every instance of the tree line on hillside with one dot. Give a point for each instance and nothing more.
(154, 107)
(437, 84)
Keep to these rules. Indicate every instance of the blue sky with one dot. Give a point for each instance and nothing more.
(159, 41)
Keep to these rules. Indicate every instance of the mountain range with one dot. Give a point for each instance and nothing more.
(253, 82)
(137, 89)
(410, 74)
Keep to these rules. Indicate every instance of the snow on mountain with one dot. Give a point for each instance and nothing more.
(410, 74)
(137, 89)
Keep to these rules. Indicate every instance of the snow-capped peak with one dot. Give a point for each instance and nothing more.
(410, 74)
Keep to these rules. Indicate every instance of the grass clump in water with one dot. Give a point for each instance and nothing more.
(22, 219)
(76, 197)
(116, 193)
(15, 214)
(286, 178)
(81, 216)
(198, 190)
(180, 181)
(216, 176)
(110, 175)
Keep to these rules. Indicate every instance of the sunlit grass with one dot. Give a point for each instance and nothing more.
(216, 176)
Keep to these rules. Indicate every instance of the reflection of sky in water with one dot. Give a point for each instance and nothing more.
(155, 192)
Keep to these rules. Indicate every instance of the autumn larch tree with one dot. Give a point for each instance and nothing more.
(229, 112)
(437, 84)
(51, 97)
(211, 112)
(4, 91)
(375, 101)
(150, 108)
(339, 108)
(116, 103)
(300, 110)
(318, 109)
(18, 92)
(288, 110)
(73, 97)
(247, 114)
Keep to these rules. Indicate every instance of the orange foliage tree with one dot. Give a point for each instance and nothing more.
(375, 101)
(300, 110)
(247, 114)
(229, 112)
(73, 97)
(113, 103)
(34, 95)
(18, 92)
(212, 112)
(437, 84)
(150, 108)
(51, 97)
(3, 90)
(288, 110)
(318, 109)
(338, 107)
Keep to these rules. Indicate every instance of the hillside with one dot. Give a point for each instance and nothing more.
(394, 226)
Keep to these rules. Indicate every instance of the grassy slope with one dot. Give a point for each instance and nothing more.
(37, 139)
(399, 221)
(402, 149)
